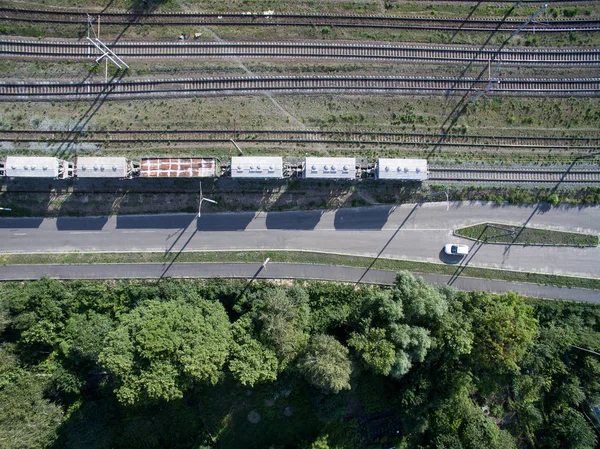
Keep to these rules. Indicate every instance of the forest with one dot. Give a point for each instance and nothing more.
(310, 365)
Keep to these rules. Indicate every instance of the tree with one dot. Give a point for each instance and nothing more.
(27, 419)
(40, 310)
(394, 326)
(459, 423)
(572, 430)
(504, 329)
(281, 318)
(375, 349)
(161, 348)
(423, 304)
(85, 336)
(251, 362)
(326, 365)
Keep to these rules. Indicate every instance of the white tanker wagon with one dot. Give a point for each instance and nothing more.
(246, 167)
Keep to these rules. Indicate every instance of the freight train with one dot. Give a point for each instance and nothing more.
(239, 167)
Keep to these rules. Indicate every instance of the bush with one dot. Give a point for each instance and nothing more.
(553, 199)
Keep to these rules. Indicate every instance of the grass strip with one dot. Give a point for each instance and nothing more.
(519, 235)
(299, 257)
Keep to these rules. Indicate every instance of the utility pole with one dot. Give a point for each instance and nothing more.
(264, 265)
(236, 145)
(106, 52)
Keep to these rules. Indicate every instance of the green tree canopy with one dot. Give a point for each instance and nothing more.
(572, 430)
(504, 329)
(160, 348)
(281, 319)
(394, 326)
(423, 304)
(251, 361)
(40, 310)
(85, 336)
(27, 419)
(325, 364)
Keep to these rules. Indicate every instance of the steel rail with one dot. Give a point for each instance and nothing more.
(83, 50)
(304, 136)
(240, 19)
(508, 175)
(120, 88)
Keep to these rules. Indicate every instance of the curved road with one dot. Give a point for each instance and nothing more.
(416, 232)
(281, 271)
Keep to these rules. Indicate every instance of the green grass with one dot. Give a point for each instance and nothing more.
(299, 257)
(519, 235)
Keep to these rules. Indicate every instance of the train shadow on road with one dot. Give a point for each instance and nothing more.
(224, 222)
(20, 223)
(360, 219)
(299, 220)
(154, 221)
(80, 223)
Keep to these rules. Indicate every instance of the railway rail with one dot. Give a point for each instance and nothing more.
(508, 175)
(142, 18)
(85, 50)
(121, 88)
(303, 136)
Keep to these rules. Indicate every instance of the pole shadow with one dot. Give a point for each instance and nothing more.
(387, 243)
(68, 141)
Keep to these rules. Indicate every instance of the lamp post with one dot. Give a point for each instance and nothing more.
(202, 199)
(445, 192)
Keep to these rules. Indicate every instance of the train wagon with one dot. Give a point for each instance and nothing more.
(104, 167)
(37, 167)
(329, 168)
(270, 167)
(402, 169)
(179, 167)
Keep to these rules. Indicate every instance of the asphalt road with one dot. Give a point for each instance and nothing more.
(279, 271)
(416, 232)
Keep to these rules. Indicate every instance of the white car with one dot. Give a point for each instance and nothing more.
(456, 250)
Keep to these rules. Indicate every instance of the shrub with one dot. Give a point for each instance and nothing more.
(553, 199)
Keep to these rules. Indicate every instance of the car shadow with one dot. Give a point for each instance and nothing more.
(448, 259)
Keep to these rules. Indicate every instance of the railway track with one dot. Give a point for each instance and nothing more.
(508, 175)
(85, 50)
(309, 136)
(121, 88)
(142, 18)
